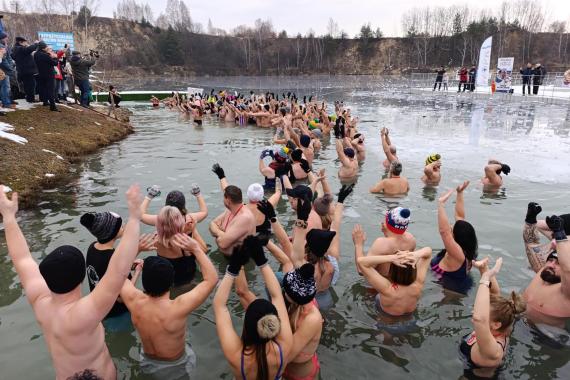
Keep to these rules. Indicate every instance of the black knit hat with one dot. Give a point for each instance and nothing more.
(157, 275)
(105, 226)
(300, 285)
(63, 269)
(319, 241)
(176, 199)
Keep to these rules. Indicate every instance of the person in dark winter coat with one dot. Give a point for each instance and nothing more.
(80, 67)
(25, 66)
(472, 76)
(538, 73)
(462, 79)
(46, 60)
(526, 74)
(439, 78)
(7, 66)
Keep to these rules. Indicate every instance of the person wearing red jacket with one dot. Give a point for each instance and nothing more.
(463, 73)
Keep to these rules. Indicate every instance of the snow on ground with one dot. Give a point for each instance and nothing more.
(5, 128)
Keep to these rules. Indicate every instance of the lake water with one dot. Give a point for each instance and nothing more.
(533, 138)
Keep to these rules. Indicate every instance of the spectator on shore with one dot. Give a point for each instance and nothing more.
(114, 97)
(526, 77)
(472, 76)
(25, 66)
(445, 81)
(61, 89)
(439, 78)
(462, 79)
(538, 73)
(80, 67)
(7, 66)
(46, 61)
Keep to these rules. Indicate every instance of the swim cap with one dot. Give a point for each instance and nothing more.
(323, 204)
(105, 226)
(261, 322)
(63, 269)
(297, 155)
(157, 275)
(397, 220)
(349, 152)
(312, 124)
(317, 132)
(299, 284)
(319, 241)
(176, 199)
(333, 117)
(305, 141)
(432, 158)
(255, 192)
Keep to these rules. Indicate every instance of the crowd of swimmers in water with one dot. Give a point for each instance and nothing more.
(282, 327)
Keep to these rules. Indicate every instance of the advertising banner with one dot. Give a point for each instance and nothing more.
(57, 40)
(504, 77)
(484, 63)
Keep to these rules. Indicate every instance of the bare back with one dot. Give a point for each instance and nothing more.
(391, 245)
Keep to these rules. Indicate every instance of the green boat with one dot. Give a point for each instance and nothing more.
(133, 95)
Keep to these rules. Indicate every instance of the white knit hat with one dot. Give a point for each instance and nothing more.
(255, 192)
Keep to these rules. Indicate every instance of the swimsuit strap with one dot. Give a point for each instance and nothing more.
(278, 375)
(242, 364)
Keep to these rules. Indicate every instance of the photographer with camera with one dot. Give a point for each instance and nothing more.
(80, 66)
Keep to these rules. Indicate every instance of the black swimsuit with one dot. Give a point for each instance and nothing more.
(184, 268)
(467, 344)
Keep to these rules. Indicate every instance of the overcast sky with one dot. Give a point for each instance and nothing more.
(299, 15)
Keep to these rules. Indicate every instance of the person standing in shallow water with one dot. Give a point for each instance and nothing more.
(548, 294)
(71, 324)
(493, 319)
(452, 264)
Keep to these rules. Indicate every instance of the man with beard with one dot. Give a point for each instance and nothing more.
(548, 295)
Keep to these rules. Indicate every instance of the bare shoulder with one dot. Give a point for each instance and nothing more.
(381, 246)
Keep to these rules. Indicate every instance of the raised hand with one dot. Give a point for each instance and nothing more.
(532, 211)
(445, 196)
(153, 192)
(482, 265)
(358, 235)
(493, 271)
(266, 209)
(303, 208)
(556, 225)
(195, 190)
(505, 169)
(8, 207)
(255, 247)
(134, 200)
(147, 242)
(185, 243)
(216, 168)
(239, 257)
(462, 187)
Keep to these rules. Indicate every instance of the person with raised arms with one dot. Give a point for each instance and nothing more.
(388, 148)
(162, 322)
(548, 294)
(493, 319)
(395, 184)
(71, 324)
(396, 238)
(432, 170)
(493, 170)
(399, 292)
(263, 350)
(452, 264)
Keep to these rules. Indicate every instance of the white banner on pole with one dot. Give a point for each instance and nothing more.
(484, 62)
(504, 77)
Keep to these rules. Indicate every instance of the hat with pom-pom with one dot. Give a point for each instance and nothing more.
(397, 220)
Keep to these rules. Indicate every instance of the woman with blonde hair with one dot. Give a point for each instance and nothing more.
(493, 320)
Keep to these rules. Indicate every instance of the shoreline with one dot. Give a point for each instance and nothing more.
(51, 148)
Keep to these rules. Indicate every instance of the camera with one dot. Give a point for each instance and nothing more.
(94, 53)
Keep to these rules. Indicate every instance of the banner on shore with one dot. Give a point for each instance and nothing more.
(57, 40)
(484, 62)
(504, 77)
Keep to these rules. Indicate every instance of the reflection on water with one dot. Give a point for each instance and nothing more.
(356, 342)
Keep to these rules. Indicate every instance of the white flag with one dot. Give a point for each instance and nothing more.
(484, 62)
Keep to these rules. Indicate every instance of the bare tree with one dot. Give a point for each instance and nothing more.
(332, 28)
(558, 27)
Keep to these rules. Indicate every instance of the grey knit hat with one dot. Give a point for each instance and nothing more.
(105, 226)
